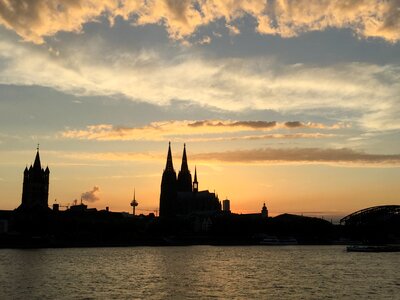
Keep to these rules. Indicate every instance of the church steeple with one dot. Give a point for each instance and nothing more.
(184, 166)
(168, 187)
(169, 166)
(195, 183)
(35, 188)
(37, 164)
(184, 176)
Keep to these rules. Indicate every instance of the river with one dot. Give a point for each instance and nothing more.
(234, 272)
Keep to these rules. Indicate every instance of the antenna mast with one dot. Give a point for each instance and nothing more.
(134, 203)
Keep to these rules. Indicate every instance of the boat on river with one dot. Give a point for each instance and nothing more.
(373, 248)
(274, 241)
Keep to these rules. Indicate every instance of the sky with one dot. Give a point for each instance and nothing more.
(291, 103)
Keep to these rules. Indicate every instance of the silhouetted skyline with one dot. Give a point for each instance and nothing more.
(187, 216)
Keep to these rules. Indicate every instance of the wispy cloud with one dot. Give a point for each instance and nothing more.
(262, 125)
(330, 156)
(233, 84)
(34, 20)
(112, 156)
(300, 155)
(196, 130)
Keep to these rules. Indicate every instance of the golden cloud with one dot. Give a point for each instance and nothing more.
(33, 20)
(195, 130)
(232, 84)
(367, 18)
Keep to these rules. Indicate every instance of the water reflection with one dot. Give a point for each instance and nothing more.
(296, 272)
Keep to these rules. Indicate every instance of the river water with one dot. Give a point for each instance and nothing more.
(254, 272)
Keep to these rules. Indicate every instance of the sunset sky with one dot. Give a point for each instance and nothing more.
(291, 103)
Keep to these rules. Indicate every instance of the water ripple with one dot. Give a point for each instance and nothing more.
(291, 272)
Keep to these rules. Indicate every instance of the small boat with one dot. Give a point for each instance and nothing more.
(274, 241)
(373, 248)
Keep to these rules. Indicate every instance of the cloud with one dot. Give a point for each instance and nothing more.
(91, 196)
(264, 124)
(300, 155)
(180, 17)
(194, 130)
(113, 156)
(231, 84)
(34, 20)
(294, 124)
(205, 41)
(329, 156)
(233, 30)
(367, 18)
(249, 124)
(316, 135)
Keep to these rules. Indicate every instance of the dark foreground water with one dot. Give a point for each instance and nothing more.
(257, 272)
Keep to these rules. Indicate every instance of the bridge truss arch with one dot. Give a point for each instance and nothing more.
(372, 214)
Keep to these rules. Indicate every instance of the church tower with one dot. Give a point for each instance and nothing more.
(168, 187)
(184, 176)
(35, 189)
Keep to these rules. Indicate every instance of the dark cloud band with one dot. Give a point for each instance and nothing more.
(313, 155)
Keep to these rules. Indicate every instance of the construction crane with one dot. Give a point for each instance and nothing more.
(60, 206)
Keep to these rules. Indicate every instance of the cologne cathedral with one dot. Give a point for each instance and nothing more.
(35, 189)
(180, 196)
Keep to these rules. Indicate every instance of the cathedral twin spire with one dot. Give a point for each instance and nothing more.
(179, 195)
(184, 180)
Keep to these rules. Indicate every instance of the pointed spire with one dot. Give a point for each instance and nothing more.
(37, 163)
(169, 166)
(184, 166)
(195, 183)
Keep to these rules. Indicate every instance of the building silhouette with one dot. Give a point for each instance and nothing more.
(226, 205)
(184, 177)
(35, 189)
(168, 187)
(264, 211)
(187, 216)
(179, 195)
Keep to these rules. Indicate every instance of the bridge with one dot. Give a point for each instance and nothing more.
(382, 213)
